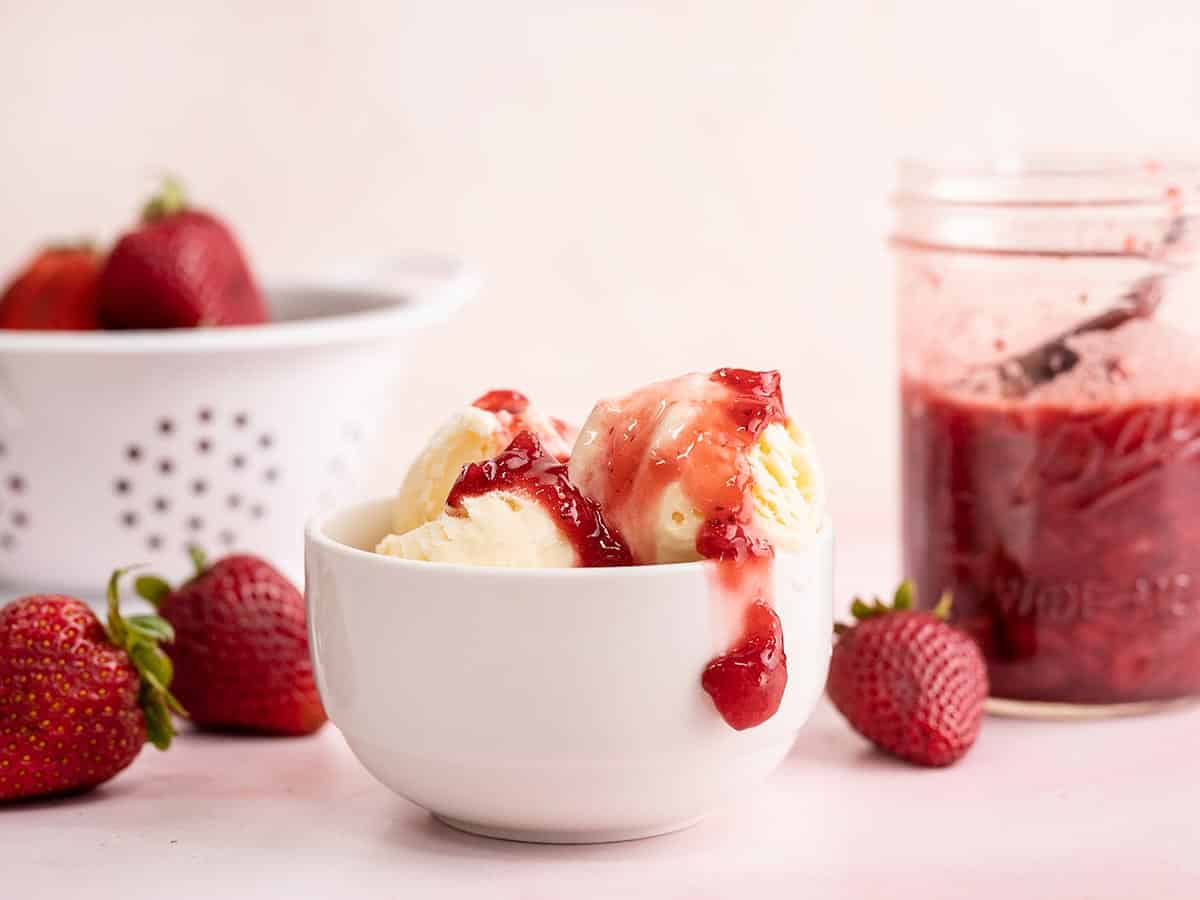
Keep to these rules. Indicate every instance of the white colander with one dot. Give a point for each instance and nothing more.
(124, 447)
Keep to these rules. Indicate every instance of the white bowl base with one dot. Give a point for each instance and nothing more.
(557, 836)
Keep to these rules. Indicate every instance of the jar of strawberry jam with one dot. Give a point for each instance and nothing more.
(1049, 346)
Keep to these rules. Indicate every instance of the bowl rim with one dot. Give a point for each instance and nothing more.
(314, 534)
(421, 289)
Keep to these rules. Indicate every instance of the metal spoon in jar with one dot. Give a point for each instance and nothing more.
(1022, 373)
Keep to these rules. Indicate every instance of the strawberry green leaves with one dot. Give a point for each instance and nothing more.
(155, 590)
(152, 589)
(905, 598)
(139, 636)
(151, 628)
(198, 557)
(170, 199)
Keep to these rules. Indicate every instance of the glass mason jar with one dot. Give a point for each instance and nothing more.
(1049, 346)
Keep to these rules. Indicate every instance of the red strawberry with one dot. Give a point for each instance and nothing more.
(181, 268)
(908, 682)
(78, 701)
(241, 647)
(55, 292)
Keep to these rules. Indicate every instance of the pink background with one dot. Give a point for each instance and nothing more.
(649, 187)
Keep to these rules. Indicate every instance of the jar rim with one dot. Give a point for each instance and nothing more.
(1051, 179)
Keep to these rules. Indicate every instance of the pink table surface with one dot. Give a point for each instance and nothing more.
(1038, 809)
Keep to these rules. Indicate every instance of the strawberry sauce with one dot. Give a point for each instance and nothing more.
(746, 683)
(696, 431)
(525, 468)
(513, 411)
(1068, 535)
(503, 401)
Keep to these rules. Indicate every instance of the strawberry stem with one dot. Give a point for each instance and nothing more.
(152, 589)
(904, 599)
(861, 610)
(170, 199)
(199, 558)
(139, 637)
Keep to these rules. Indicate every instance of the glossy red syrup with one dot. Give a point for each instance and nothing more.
(512, 408)
(525, 468)
(503, 401)
(746, 683)
(568, 432)
(708, 456)
(1070, 537)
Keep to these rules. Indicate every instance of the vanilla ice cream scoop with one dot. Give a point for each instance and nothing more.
(702, 466)
(501, 528)
(478, 432)
(518, 509)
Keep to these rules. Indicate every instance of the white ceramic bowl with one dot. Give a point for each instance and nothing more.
(120, 447)
(559, 705)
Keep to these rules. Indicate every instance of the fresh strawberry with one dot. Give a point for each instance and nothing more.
(909, 682)
(55, 292)
(181, 268)
(241, 647)
(77, 700)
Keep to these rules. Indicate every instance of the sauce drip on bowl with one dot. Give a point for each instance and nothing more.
(697, 431)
